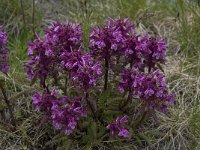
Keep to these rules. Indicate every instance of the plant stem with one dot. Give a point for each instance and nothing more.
(130, 93)
(90, 105)
(43, 84)
(117, 61)
(8, 105)
(149, 69)
(95, 113)
(106, 74)
(139, 121)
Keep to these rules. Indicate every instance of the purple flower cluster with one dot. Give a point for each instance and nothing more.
(128, 76)
(71, 61)
(63, 111)
(150, 88)
(63, 37)
(82, 68)
(3, 51)
(111, 39)
(43, 101)
(66, 112)
(116, 128)
(118, 38)
(87, 72)
(46, 53)
(39, 64)
(59, 50)
(153, 51)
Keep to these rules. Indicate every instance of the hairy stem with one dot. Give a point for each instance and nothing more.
(8, 105)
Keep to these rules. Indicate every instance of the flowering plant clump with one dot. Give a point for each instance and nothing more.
(84, 93)
(4, 67)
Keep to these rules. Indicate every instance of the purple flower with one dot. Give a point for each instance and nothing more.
(66, 112)
(128, 80)
(110, 40)
(4, 67)
(87, 72)
(39, 64)
(71, 60)
(150, 88)
(84, 71)
(62, 37)
(133, 54)
(43, 101)
(47, 53)
(153, 50)
(116, 127)
(63, 111)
